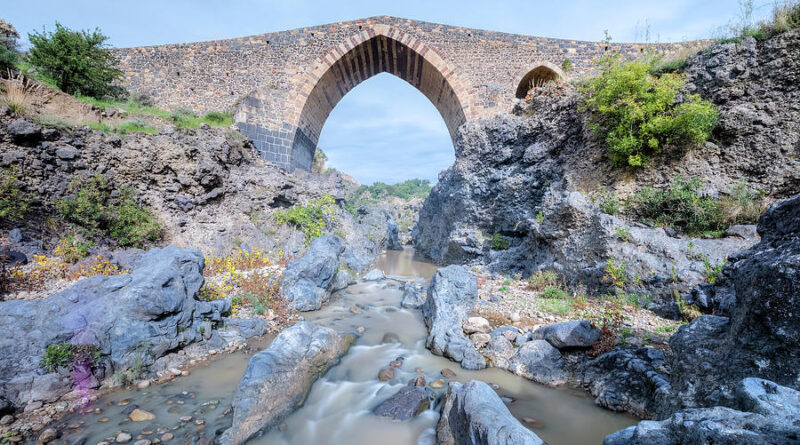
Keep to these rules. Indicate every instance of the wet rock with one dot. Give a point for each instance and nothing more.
(417, 381)
(278, 378)
(476, 324)
(123, 437)
(499, 351)
(633, 380)
(480, 340)
(7, 419)
(404, 404)
(386, 374)
(142, 442)
(742, 231)
(307, 280)
(473, 414)
(393, 234)
(451, 298)
(539, 361)
(448, 373)
(355, 310)
(166, 437)
(437, 384)
(390, 337)
(144, 384)
(414, 295)
(140, 415)
(569, 334)
(374, 275)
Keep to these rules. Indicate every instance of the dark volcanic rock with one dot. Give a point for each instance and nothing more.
(756, 331)
(278, 378)
(569, 334)
(307, 281)
(414, 295)
(451, 299)
(770, 415)
(404, 404)
(473, 414)
(627, 379)
(23, 130)
(539, 361)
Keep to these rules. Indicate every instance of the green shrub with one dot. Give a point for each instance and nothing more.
(71, 250)
(8, 57)
(679, 205)
(182, 117)
(741, 205)
(498, 242)
(623, 233)
(712, 270)
(566, 66)
(554, 292)
(13, 203)
(63, 354)
(78, 61)
(616, 273)
(542, 279)
(217, 117)
(408, 189)
(539, 217)
(98, 211)
(311, 219)
(637, 114)
(318, 163)
(609, 203)
(137, 125)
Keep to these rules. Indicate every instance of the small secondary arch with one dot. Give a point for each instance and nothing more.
(537, 76)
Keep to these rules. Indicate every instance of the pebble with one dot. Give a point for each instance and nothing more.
(449, 373)
(355, 310)
(390, 337)
(185, 373)
(419, 370)
(417, 381)
(123, 402)
(361, 329)
(199, 422)
(123, 438)
(48, 435)
(142, 442)
(386, 374)
(175, 371)
(140, 415)
(103, 419)
(515, 317)
(186, 418)
(143, 384)
(437, 384)
(533, 423)
(8, 419)
(395, 363)
(166, 437)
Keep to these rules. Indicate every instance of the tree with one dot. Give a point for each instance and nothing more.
(8, 46)
(78, 61)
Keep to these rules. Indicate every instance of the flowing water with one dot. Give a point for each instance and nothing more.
(338, 407)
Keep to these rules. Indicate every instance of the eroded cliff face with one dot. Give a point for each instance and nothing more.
(530, 179)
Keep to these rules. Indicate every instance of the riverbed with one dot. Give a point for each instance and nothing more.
(338, 408)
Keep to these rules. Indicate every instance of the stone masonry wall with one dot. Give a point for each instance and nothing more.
(283, 85)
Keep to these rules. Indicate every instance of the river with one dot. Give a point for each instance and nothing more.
(338, 407)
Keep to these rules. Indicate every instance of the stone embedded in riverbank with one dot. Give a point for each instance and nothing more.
(307, 281)
(451, 299)
(414, 295)
(278, 378)
(569, 334)
(539, 361)
(473, 414)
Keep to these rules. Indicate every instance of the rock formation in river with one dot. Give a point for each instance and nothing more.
(278, 378)
(473, 414)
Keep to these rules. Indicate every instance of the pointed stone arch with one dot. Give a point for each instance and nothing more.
(536, 75)
(375, 50)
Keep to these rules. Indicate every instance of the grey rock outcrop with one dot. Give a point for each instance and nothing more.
(770, 414)
(755, 331)
(451, 299)
(278, 378)
(307, 281)
(473, 414)
(569, 334)
(140, 316)
(539, 361)
(630, 380)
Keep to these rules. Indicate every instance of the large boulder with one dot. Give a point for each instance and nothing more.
(627, 379)
(473, 414)
(755, 329)
(451, 298)
(136, 317)
(307, 281)
(414, 295)
(539, 361)
(569, 334)
(278, 378)
(770, 414)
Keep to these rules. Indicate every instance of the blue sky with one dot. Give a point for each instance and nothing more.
(383, 129)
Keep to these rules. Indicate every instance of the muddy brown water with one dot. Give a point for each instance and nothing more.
(338, 407)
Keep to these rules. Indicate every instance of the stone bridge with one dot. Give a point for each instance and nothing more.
(282, 86)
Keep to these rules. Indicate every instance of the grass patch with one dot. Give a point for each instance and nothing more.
(498, 242)
(542, 279)
(181, 117)
(311, 219)
(558, 306)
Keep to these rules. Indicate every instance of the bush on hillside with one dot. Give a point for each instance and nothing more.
(79, 62)
(638, 116)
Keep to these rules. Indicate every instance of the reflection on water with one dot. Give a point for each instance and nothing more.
(338, 408)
